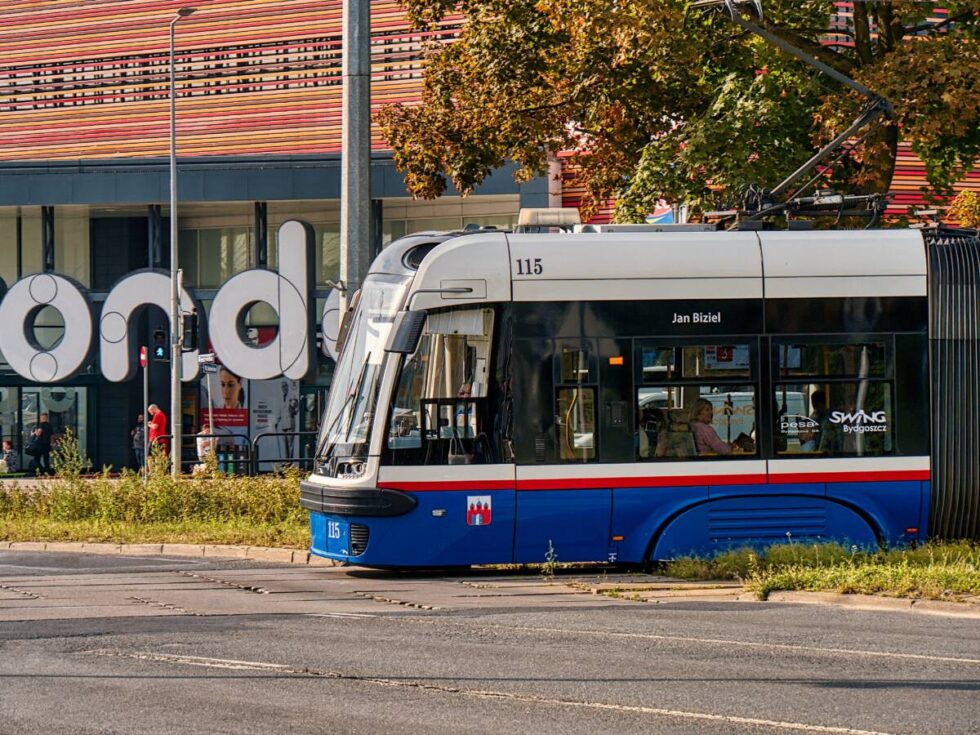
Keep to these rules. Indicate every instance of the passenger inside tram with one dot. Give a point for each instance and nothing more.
(706, 439)
(810, 441)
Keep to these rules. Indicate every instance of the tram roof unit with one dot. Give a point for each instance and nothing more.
(500, 267)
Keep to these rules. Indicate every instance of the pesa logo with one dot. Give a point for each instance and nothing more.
(794, 424)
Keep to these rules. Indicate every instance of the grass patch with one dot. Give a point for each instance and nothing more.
(932, 571)
(232, 532)
(215, 509)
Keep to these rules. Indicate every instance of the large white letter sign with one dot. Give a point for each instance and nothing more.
(330, 325)
(17, 312)
(288, 292)
(117, 327)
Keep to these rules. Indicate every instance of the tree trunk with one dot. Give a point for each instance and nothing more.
(878, 167)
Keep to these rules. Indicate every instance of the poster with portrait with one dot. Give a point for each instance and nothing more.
(229, 405)
(274, 409)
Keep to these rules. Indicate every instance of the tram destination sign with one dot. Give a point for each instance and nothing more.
(668, 317)
(113, 326)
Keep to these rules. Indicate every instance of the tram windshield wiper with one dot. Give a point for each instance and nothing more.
(356, 393)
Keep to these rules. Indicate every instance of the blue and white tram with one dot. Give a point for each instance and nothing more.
(635, 396)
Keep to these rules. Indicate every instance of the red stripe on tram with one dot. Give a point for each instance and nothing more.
(659, 481)
(422, 487)
(872, 476)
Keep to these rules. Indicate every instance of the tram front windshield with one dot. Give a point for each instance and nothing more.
(350, 411)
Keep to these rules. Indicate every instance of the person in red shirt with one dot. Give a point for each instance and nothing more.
(158, 428)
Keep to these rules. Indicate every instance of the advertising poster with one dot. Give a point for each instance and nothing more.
(274, 408)
(230, 405)
(245, 409)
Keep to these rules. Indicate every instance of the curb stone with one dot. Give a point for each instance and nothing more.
(969, 609)
(101, 548)
(183, 550)
(225, 552)
(28, 546)
(667, 591)
(211, 551)
(141, 549)
(266, 553)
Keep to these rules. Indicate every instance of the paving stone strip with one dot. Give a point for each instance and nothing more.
(653, 589)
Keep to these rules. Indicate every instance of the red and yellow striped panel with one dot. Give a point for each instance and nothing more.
(906, 191)
(83, 79)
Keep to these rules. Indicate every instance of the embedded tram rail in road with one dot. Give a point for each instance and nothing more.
(161, 645)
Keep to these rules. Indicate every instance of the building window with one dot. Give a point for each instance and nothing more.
(72, 254)
(211, 256)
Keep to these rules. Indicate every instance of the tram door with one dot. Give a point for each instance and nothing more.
(564, 503)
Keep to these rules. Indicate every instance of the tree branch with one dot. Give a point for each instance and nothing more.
(934, 27)
(816, 49)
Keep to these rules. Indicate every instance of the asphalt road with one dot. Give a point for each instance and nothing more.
(94, 644)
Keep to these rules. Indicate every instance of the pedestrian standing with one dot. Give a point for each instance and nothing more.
(33, 450)
(158, 428)
(11, 461)
(44, 459)
(138, 437)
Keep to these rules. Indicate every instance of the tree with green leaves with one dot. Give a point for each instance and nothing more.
(654, 101)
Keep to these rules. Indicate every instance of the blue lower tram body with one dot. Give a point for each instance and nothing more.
(625, 525)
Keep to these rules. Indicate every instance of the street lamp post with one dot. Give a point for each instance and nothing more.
(176, 341)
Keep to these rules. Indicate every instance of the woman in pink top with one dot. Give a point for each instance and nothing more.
(706, 439)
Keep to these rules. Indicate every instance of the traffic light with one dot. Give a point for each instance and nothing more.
(189, 331)
(160, 349)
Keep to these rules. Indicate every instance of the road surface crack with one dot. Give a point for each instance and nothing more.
(392, 601)
(23, 593)
(226, 583)
(163, 605)
(523, 698)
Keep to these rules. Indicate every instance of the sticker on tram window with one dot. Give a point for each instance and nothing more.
(478, 510)
(794, 424)
(861, 422)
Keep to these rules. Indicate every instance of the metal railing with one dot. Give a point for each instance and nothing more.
(237, 455)
(303, 459)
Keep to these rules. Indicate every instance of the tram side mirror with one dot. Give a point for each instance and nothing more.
(407, 332)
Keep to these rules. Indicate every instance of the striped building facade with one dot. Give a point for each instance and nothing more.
(84, 179)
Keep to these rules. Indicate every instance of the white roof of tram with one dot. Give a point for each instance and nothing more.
(497, 266)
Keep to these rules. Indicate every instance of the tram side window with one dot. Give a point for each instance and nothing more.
(835, 400)
(439, 408)
(575, 403)
(695, 401)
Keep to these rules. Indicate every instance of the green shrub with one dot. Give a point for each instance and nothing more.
(227, 504)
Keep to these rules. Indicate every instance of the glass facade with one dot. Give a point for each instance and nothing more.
(96, 246)
(21, 409)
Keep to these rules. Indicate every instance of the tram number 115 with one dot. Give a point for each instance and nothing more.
(529, 267)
